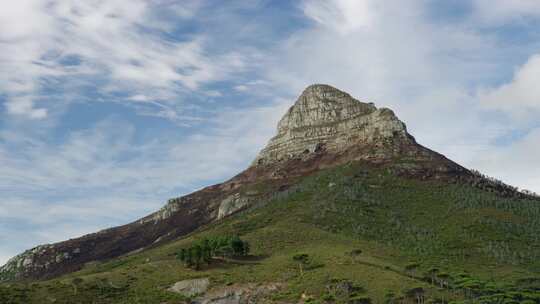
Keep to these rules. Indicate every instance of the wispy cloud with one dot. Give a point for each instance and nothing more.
(344, 16)
(120, 45)
(515, 161)
(520, 96)
(108, 157)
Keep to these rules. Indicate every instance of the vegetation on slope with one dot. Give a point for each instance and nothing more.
(385, 238)
(207, 249)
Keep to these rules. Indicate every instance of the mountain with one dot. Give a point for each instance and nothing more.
(339, 174)
(324, 128)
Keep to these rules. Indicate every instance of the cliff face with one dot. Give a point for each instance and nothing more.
(326, 118)
(324, 128)
(327, 127)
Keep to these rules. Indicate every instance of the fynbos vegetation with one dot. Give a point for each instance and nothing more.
(207, 249)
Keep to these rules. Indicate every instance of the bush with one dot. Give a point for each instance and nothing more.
(208, 248)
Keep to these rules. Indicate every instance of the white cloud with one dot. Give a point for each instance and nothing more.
(118, 43)
(516, 162)
(139, 97)
(25, 106)
(521, 96)
(20, 19)
(258, 87)
(241, 88)
(343, 16)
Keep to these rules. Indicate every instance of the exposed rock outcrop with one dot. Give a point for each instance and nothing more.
(197, 289)
(191, 288)
(231, 204)
(327, 127)
(325, 118)
(240, 294)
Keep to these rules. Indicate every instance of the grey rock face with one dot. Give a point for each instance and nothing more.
(234, 294)
(326, 118)
(240, 294)
(27, 260)
(232, 204)
(172, 206)
(190, 288)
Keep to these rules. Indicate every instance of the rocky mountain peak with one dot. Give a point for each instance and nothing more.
(324, 117)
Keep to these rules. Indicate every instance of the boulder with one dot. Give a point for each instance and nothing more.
(191, 288)
(240, 294)
(232, 204)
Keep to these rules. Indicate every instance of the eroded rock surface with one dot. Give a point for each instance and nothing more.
(240, 294)
(191, 288)
(231, 204)
(325, 118)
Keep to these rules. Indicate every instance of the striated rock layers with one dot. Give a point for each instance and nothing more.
(325, 118)
(325, 127)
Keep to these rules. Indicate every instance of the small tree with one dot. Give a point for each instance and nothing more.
(389, 297)
(416, 293)
(302, 259)
(237, 245)
(197, 256)
(208, 248)
(188, 258)
(411, 268)
(206, 251)
(432, 273)
(246, 249)
(182, 255)
(76, 282)
(443, 279)
(225, 251)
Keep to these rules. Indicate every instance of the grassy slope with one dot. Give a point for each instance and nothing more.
(394, 221)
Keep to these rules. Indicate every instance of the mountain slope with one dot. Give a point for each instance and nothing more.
(339, 175)
(356, 222)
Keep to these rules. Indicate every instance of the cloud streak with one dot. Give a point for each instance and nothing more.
(123, 46)
(520, 96)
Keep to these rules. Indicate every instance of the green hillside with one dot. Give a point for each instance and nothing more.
(352, 234)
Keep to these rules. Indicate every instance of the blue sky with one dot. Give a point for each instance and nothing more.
(108, 108)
